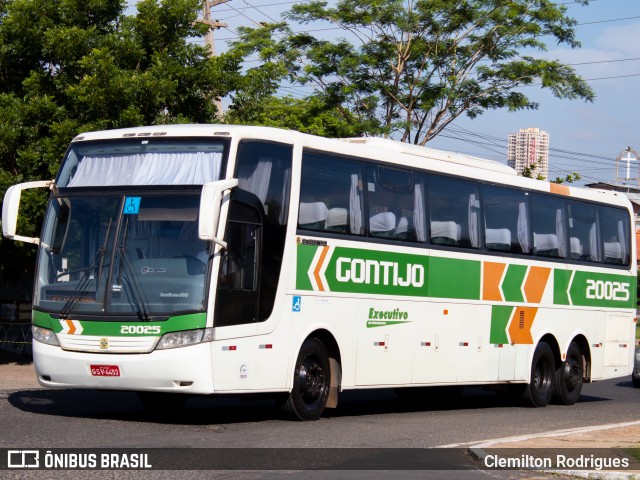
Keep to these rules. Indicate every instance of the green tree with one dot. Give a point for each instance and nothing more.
(256, 101)
(569, 178)
(529, 170)
(411, 67)
(76, 65)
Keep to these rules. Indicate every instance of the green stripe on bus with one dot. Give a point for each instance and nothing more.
(512, 283)
(590, 289)
(353, 270)
(371, 271)
(305, 257)
(561, 279)
(112, 329)
(500, 316)
(454, 278)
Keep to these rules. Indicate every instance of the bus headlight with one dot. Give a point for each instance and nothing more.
(44, 335)
(185, 339)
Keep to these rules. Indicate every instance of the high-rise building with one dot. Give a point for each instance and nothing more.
(528, 147)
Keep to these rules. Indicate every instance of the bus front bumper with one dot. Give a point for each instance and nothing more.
(186, 369)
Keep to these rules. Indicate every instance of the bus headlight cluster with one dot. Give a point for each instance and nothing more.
(638, 356)
(44, 335)
(184, 339)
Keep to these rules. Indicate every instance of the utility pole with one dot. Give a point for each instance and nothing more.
(208, 39)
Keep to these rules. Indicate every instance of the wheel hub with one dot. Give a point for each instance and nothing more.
(572, 373)
(311, 380)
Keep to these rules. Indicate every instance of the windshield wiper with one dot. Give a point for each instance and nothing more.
(136, 291)
(97, 263)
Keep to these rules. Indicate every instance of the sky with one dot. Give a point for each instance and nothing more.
(584, 137)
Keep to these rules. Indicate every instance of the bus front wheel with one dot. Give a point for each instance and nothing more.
(539, 391)
(568, 378)
(311, 382)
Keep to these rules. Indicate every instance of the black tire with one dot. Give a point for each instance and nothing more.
(568, 377)
(162, 402)
(311, 382)
(539, 391)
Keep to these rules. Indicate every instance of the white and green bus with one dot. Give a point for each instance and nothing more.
(217, 259)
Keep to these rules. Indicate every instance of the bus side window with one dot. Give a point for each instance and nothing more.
(506, 228)
(583, 232)
(240, 276)
(391, 202)
(614, 225)
(264, 169)
(331, 197)
(549, 231)
(453, 212)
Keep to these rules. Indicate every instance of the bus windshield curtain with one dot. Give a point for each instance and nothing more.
(195, 168)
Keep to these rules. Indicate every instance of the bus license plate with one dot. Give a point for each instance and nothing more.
(105, 370)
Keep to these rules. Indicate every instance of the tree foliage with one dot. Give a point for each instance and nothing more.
(411, 67)
(530, 170)
(68, 66)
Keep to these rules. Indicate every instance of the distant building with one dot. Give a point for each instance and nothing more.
(530, 146)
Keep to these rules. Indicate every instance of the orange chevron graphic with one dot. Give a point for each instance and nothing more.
(492, 276)
(535, 283)
(316, 271)
(72, 327)
(520, 325)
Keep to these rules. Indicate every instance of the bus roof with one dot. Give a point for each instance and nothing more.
(488, 170)
(197, 130)
(424, 152)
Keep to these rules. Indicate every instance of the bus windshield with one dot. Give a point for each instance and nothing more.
(123, 255)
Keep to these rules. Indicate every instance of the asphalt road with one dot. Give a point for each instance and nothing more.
(375, 418)
(47, 419)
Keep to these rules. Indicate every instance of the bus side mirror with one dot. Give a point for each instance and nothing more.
(10, 208)
(210, 206)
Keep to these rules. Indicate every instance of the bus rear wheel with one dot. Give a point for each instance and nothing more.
(311, 382)
(568, 378)
(539, 391)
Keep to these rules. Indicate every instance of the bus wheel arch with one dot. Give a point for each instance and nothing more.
(316, 377)
(582, 342)
(335, 360)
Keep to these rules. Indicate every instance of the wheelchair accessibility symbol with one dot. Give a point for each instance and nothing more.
(297, 300)
(131, 206)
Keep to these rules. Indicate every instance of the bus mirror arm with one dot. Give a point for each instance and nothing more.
(11, 206)
(211, 202)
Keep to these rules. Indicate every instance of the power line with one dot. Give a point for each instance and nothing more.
(605, 61)
(607, 21)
